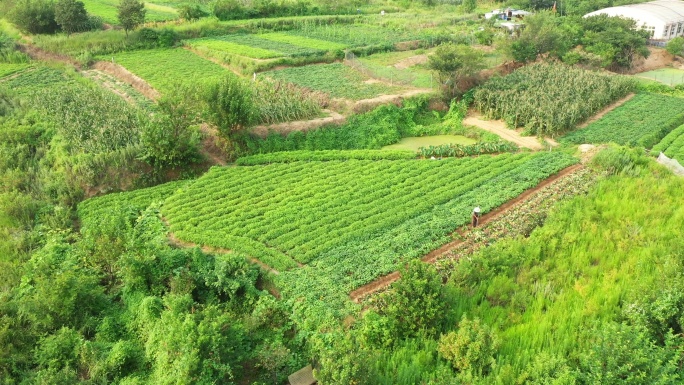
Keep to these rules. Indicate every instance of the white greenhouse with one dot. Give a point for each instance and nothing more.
(663, 18)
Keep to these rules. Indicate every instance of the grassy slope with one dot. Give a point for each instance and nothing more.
(590, 260)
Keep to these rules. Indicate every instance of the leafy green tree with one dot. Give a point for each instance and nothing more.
(170, 138)
(545, 32)
(191, 12)
(131, 13)
(469, 5)
(34, 16)
(471, 349)
(457, 67)
(676, 46)
(273, 357)
(615, 39)
(230, 105)
(417, 302)
(71, 15)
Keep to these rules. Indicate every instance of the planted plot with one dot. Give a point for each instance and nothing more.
(307, 209)
(548, 99)
(643, 121)
(301, 41)
(7, 69)
(106, 9)
(669, 76)
(36, 79)
(164, 67)
(223, 45)
(360, 35)
(337, 80)
(672, 145)
(337, 272)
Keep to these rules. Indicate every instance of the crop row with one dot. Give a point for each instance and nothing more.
(548, 98)
(459, 150)
(327, 155)
(359, 35)
(643, 121)
(225, 45)
(164, 67)
(7, 69)
(337, 80)
(305, 209)
(326, 283)
(672, 145)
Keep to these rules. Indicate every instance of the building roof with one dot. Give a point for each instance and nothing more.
(667, 11)
(303, 376)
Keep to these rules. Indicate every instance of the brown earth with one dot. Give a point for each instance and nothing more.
(435, 255)
(300, 125)
(411, 61)
(39, 54)
(658, 58)
(499, 127)
(126, 76)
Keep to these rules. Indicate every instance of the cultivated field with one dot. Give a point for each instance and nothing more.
(672, 145)
(642, 121)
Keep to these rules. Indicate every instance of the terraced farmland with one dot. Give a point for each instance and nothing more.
(303, 210)
(337, 80)
(164, 67)
(643, 121)
(672, 145)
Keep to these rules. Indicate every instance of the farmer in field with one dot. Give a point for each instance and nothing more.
(476, 216)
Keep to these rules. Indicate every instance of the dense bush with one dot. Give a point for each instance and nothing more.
(34, 16)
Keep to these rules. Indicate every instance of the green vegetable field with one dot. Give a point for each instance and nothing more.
(672, 145)
(163, 68)
(643, 121)
(337, 80)
(303, 210)
(106, 9)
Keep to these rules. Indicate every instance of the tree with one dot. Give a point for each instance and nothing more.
(34, 16)
(676, 46)
(615, 39)
(272, 357)
(417, 301)
(131, 14)
(469, 5)
(71, 15)
(471, 349)
(457, 67)
(545, 32)
(230, 105)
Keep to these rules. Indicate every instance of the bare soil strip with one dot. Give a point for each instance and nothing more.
(499, 127)
(300, 125)
(39, 54)
(436, 254)
(126, 76)
(606, 110)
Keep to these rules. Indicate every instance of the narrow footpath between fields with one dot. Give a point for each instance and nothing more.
(461, 234)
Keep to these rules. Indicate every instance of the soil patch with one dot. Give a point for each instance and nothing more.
(658, 58)
(300, 125)
(411, 61)
(126, 76)
(499, 127)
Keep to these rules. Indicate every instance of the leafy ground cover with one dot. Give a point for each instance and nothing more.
(36, 79)
(163, 68)
(7, 69)
(672, 145)
(548, 99)
(416, 142)
(643, 121)
(306, 209)
(359, 35)
(106, 9)
(337, 80)
(302, 41)
(326, 282)
(669, 76)
(225, 45)
(325, 155)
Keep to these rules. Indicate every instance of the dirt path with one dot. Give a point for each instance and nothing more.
(606, 110)
(499, 127)
(368, 104)
(436, 254)
(300, 125)
(126, 76)
(39, 54)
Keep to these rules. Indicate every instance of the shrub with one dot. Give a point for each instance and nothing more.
(34, 16)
